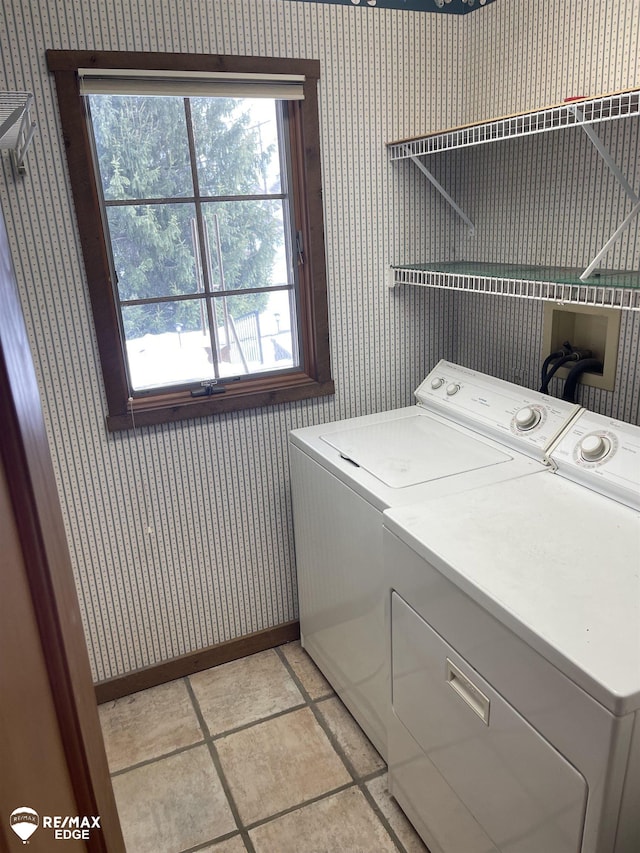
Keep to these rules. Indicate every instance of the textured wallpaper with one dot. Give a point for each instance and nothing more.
(547, 199)
(219, 561)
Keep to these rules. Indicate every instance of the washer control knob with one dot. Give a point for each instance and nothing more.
(452, 389)
(437, 382)
(526, 418)
(593, 448)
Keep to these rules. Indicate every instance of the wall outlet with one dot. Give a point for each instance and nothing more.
(597, 329)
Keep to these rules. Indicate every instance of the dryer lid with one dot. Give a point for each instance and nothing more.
(418, 449)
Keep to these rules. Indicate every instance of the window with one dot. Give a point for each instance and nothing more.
(196, 181)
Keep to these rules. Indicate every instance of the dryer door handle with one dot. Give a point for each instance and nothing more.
(466, 689)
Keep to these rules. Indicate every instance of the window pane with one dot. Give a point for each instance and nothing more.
(256, 335)
(142, 146)
(167, 343)
(236, 141)
(252, 244)
(153, 250)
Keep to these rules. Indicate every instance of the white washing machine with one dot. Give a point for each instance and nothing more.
(467, 430)
(515, 655)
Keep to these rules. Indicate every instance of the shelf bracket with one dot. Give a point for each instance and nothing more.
(605, 154)
(442, 191)
(603, 251)
(622, 180)
(16, 126)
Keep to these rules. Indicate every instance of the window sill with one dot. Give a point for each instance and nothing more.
(169, 408)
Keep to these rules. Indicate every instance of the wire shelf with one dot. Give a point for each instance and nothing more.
(16, 126)
(569, 114)
(533, 287)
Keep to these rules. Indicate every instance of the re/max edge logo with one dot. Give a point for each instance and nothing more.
(75, 827)
(24, 821)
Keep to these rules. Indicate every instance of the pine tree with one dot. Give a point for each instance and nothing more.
(143, 154)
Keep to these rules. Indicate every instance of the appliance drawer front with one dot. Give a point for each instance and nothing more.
(495, 769)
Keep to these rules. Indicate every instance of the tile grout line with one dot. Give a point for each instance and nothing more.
(250, 725)
(178, 751)
(219, 839)
(359, 780)
(333, 740)
(308, 698)
(298, 806)
(293, 674)
(381, 816)
(218, 765)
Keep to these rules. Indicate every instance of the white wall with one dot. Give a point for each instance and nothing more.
(523, 54)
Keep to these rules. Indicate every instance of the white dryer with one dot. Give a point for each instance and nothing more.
(467, 430)
(515, 637)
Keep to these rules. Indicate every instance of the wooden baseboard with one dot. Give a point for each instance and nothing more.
(151, 676)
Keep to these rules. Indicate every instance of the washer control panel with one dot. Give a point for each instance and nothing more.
(603, 454)
(596, 447)
(528, 417)
(517, 416)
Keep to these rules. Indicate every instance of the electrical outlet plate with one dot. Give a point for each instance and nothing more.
(597, 329)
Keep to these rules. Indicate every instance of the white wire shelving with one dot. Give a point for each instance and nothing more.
(500, 280)
(16, 126)
(586, 287)
(569, 114)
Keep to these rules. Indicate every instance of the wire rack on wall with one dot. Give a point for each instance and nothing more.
(16, 126)
(495, 281)
(569, 114)
(591, 286)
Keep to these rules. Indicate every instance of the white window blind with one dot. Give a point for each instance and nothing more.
(190, 84)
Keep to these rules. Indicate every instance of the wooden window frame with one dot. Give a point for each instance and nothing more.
(313, 378)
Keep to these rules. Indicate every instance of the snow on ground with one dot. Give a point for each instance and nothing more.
(176, 358)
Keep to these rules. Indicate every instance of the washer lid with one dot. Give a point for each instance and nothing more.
(407, 451)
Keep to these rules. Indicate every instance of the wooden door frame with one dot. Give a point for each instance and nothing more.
(26, 458)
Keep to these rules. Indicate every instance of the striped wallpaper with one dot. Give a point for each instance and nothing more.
(219, 560)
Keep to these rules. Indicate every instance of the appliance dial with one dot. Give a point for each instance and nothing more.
(436, 383)
(452, 389)
(526, 418)
(593, 448)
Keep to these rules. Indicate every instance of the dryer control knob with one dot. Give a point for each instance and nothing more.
(452, 389)
(436, 383)
(526, 418)
(593, 448)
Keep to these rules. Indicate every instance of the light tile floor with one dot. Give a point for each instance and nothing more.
(254, 756)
